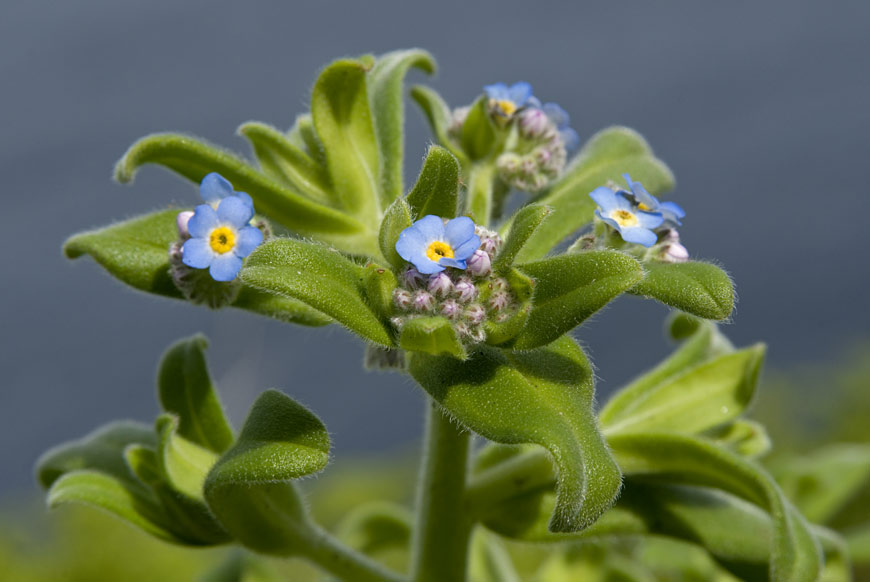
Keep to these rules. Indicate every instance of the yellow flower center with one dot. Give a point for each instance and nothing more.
(506, 107)
(643, 207)
(438, 250)
(624, 218)
(222, 240)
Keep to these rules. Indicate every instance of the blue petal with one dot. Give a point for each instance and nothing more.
(605, 198)
(411, 244)
(557, 115)
(445, 262)
(673, 209)
(431, 227)
(649, 219)
(570, 138)
(197, 253)
(520, 93)
(428, 267)
(641, 236)
(497, 91)
(214, 187)
(235, 211)
(533, 102)
(244, 197)
(458, 231)
(247, 239)
(225, 267)
(203, 220)
(466, 249)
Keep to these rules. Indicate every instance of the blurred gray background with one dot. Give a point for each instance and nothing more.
(762, 109)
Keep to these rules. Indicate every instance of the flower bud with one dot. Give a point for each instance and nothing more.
(533, 122)
(465, 290)
(477, 334)
(475, 313)
(398, 322)
(440, 284)
(499, 284)
(412, 278)
(451, 309)
(674, 253)
(490, 245)
(479, 264)
(423, 301)
(181, 223)
(498, 301)
(402, 299)
(457, 120)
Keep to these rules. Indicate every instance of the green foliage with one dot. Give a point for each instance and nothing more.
(478, 131)
(570, 288)
(396, 219)
(380, 530)
(698, 288)
(542, 397)
(437, 188)
(319, 277)
(437, 113)
(524, 223)
(432, 335)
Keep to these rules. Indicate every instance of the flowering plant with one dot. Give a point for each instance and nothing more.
(477, 306)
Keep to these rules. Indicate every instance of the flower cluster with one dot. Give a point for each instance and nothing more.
(215, 236)
(451, 275)
(640, 218)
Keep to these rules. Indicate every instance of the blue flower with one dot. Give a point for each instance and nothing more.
(505, 101)
(221, 235)
(633, 224)
(562, 121)
(432, 245)
(671, 211)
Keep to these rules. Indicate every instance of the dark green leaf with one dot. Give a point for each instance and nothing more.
(193, 159)
(438, 115)
(286, 162)
(343, 120)
(542, 397)
(431, 335)
(570, 288)
(283, 309)
(523, 225)
(388, 112)
(701, 289)
(380, 284)
(396, 219)
(606, 156)
(478, 132)
(185, 389)
(705, 396)
(437, 189)
(318, 276)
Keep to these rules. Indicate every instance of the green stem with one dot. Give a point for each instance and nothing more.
(481, 181)
(343, 562)
(442, 530)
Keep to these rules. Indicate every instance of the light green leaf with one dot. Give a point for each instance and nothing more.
(543, 397)
(302, 135)
(343, 120)
(483, 188)
(380, 284)
(701, 289)
(102, 450)
(705, 396)
(319, 277)
(380, 530)
(388, 112)
(185, 389)
(523, 225)
(570, 288)
(432, 335)
(745, 437)
(437, 189)
(396, 219)
(136, 251)
(193, 159)
(478, 132)
(241, 566)
(438, 115)
(489, 560)
(858, 541)
(606, 156)
(679, 459)
(184, 463)
(284, 161)
(250, 488)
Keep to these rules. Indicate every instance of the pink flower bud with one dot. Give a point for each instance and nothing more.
(423, 301)
(402, 299)
(413, 278)
(465, 290)
(451, 309)
(440, 284)
(490, 245)
(475, 314)
(533, 122)
(479, 265)
(498, 301)
(398, 322)
(674, 253)
(181, 222)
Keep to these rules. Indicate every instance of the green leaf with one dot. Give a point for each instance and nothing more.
(705, 396)
(679, 459)
(437, 189)
(284, 161)
(432, 335)
(388, 112)
(193, 159)
(380, 530)
(136, 252)
(185, 389)
(250, 488)
(107, 493)
(570, 288)
(704, 343)
(606, 156)
(438, 115)
(745, 437)
(483, 187)
(302, 135)
(101, 450)
(318, 276)
(489, 561)
(478, 132)
(184, 462)
(543, 397)
(240, 566)
(523, 225)
(343, 120)
(396, 219)
(701, 289)
(380, 284)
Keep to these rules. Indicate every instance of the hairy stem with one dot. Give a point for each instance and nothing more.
(443, 528)
(345, 563)
(481, 183)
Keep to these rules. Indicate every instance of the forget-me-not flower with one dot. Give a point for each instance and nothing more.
(633, 224)
(431, 245)
(671, 211)
(505, 101)
(220, 231)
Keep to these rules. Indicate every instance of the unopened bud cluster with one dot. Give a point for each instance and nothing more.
(539, 155)
(467, 298)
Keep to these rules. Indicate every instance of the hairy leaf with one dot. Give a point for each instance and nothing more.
(438, 115)
(478, 131)
(431, 335)
(698, 288)
(396, 219)
(437, 189)
(523, 225)
(184, 463)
